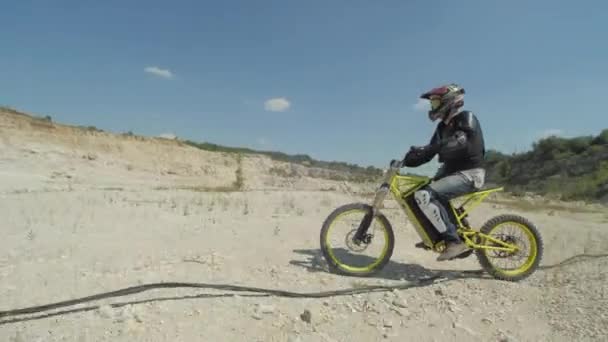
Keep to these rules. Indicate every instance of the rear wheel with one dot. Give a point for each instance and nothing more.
(356, 257)
(511, 265)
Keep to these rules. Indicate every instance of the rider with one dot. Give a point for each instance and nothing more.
(458, 140)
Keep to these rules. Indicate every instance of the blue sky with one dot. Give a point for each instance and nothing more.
(345, 76)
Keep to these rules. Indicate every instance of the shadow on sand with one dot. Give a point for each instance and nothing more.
(393, 270)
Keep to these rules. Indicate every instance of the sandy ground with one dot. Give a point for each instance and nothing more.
(75, 226)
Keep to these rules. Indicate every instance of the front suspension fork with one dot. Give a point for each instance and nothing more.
(361, 234)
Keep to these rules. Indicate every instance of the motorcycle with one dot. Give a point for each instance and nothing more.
(520, 243)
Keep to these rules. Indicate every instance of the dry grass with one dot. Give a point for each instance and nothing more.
(111, 188)
(31, 235)
(224, 202)
(289, 202)
(198, 188)
(236, 186)
(540, 206)
(282, 172)
(245, 205)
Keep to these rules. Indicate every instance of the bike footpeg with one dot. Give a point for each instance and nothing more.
(421, 245)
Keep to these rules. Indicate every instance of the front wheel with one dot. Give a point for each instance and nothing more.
(349, 254)
(510, 265)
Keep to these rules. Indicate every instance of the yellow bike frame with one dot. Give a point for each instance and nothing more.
(401, 186)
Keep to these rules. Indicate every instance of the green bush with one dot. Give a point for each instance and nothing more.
(573, 168)
(601, 139)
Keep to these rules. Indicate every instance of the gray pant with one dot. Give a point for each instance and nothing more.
(445, 189)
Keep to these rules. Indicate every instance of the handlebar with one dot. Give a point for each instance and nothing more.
(396, 164)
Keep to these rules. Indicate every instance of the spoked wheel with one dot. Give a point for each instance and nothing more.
(511, 265)
(349, 253)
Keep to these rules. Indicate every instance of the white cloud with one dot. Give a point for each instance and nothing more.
(422, 105)
(168, 136)
(549, 132)
(279, 104)
(263, 142)
(156, 71)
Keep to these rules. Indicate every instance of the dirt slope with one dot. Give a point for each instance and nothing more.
(88, 212)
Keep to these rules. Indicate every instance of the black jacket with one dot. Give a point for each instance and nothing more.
(459, 144)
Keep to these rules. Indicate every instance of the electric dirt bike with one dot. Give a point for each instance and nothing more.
(503, 238)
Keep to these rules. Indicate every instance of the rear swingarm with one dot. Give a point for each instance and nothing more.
(478, 236)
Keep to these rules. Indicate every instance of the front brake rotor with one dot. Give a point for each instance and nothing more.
(357, 245)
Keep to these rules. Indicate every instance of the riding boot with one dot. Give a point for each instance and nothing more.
(453, 249)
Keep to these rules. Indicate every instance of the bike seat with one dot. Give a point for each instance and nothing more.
(481, 192)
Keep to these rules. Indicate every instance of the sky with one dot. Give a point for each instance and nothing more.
(337, 80)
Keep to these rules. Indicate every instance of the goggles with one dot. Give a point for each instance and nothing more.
(435, 103)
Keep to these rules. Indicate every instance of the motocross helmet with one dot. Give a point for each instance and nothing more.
(444, 100)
